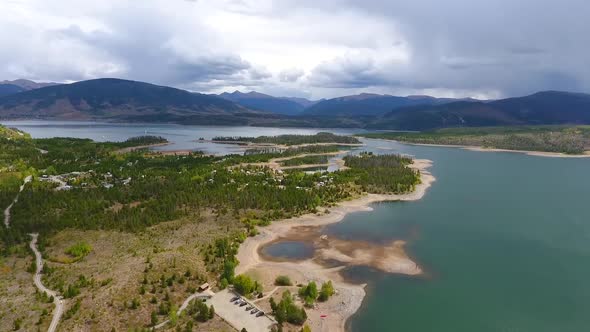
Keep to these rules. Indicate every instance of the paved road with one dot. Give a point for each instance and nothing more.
(7, 210)
(57, 300)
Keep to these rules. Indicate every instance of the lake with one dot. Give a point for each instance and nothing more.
(182, 137)
(504, 238)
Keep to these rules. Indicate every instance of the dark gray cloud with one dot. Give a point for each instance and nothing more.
(148, 52)
(513, 47)
(322, 48)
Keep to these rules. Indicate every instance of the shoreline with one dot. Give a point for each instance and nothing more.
(350, 296)
(475, 148)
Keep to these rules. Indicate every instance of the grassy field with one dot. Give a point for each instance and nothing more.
(564, 139)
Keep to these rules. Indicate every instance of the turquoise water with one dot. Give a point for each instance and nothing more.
(504, 237)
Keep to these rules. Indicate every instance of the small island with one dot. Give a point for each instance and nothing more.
(291, 140)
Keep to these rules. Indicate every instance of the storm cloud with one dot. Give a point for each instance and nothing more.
(463, 48)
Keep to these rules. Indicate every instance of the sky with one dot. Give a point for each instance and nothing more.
(304, 48)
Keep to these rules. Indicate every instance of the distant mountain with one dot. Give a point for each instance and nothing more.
(302, 101)
(110, 99)
(28, 84)
(259, 101)
(8, 89)
(547, 108)
(20, 85)
(123, 100)
(367, 105)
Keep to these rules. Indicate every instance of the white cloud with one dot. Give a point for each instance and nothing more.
(291, 75)
(312, 48)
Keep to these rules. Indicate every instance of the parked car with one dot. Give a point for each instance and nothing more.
(254, 311)
(243, 303)
(261, 313)
(235, 298)
(250, 307)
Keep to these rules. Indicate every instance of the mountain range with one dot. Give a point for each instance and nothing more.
(541, 108)
(110, 99)
(263, 102)
(123, 100)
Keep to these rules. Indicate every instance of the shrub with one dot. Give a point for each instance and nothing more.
(79, 250)
(287, 311)
(326, 291)
(244, 284)
(283, 281)
(309, 293)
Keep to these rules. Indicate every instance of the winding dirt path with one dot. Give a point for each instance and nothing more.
(57, 299)
(7, 210)
(185, 304)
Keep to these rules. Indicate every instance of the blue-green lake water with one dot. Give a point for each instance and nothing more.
(291, 250)
(504, 238)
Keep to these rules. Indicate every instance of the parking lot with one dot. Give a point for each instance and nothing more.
(237, 316)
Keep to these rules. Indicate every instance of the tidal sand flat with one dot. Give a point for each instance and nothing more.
(335, 312)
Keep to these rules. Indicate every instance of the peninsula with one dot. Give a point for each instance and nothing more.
(552, 141)
(128, 237)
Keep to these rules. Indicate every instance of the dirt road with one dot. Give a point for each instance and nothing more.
(57, 300)
(7, 210)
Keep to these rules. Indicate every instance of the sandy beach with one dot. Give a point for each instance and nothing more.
(349, 296)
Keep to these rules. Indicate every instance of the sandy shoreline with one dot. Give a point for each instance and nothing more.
(586, 154)
(350, 296)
